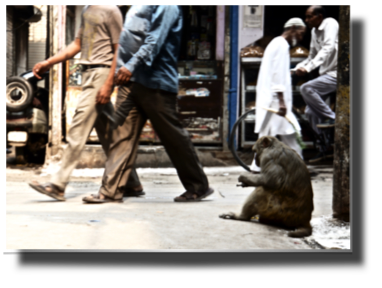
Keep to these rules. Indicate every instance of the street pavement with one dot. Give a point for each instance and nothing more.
(150, 223)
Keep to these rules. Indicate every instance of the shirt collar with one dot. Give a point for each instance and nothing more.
(323, 24)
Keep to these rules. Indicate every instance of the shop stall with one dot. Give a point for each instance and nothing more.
(200, 68)
(255, 33)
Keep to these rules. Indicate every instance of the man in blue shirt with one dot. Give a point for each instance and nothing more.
(148, 84)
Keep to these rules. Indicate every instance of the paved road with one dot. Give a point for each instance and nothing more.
(153, 222)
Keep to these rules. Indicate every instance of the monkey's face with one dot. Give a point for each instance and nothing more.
(257, 151)
(260, 145)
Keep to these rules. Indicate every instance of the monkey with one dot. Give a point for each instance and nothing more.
(283, 195)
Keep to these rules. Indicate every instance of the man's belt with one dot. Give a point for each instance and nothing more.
(86, 67)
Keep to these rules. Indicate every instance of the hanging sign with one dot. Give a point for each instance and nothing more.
(253, 16)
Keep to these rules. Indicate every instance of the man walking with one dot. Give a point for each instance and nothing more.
(147, 73)
(323, 53)
(274, 88)
(97, 40)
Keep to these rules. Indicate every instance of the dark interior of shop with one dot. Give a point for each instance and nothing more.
(199, 24)
(276, 16)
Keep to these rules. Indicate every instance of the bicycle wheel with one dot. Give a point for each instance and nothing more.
(245, 156)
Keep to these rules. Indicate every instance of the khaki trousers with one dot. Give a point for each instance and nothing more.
(87, 116)
(137, 103)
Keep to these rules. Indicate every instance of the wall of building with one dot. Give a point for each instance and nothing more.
(37, 40)
(78, 17)
(77, 23)
(21, 45)
(250, 26)
(248, 29)
(10, 43)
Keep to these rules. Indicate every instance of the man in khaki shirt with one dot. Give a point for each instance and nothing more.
(97, 40)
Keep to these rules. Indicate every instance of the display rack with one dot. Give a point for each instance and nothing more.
(199, 101)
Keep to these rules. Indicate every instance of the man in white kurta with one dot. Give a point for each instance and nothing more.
(274, 89)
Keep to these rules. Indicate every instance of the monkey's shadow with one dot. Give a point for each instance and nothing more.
(271, 224)
(266, 223)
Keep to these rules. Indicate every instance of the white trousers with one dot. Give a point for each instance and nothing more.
(271, 125)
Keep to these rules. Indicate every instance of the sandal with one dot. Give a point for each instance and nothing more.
(54, 192)
(95, 199)
(192, 196)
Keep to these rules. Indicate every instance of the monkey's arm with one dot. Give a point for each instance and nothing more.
(249, 179)
(272, 176)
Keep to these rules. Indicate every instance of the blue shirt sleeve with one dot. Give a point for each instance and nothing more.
(163, 17)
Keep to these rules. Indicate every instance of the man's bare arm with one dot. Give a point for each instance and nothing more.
(69, 52)
(106, 90)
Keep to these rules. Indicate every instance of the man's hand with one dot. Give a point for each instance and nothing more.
(103, 95)
(40, 68)
(123, 76)
(282, 110)
(301, 71)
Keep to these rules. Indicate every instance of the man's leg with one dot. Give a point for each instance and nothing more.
(123, 149)
(314, 93)
(159, 107)
(81, 126)
(313, 119)
(132, 186)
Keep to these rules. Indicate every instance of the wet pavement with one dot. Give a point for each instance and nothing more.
(154, 222)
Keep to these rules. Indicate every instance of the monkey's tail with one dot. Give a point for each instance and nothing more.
(301, 232)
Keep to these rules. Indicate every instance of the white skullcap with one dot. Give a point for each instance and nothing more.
(294, 22)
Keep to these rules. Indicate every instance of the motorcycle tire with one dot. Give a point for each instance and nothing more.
(19, 94)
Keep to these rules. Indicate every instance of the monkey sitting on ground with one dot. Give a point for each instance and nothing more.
(283, 194)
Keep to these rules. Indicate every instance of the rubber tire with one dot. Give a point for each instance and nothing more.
(231, 145)
(21, 83)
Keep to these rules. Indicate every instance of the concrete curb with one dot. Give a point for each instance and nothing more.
(152, 156)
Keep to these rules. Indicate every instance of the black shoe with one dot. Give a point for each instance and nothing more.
(130, 192)
(320, 156)
(328, 123)
(329, 155)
